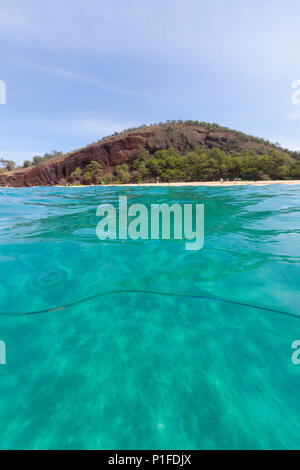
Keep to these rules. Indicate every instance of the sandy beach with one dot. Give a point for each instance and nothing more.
(196, 183)
(199, 183)
(217, 183)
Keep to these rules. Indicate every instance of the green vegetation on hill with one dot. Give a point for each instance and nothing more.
(92, 174)
(207, 152)
(194, 165)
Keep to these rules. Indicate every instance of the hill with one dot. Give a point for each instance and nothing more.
(173, 151)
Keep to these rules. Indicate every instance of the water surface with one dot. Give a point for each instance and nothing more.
(130, 369)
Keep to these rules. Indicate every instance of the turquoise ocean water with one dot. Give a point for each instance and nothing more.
(126, 367)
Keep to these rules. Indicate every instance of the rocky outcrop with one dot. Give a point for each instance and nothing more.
(56, 171)
(124, 148)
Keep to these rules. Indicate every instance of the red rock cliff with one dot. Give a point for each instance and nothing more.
(123, 148)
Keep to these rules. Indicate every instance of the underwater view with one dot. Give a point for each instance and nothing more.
(141, 344)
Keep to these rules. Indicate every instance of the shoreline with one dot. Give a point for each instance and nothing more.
(196, 183)
(175, 184)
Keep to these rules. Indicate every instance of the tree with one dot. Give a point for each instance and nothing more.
(108, 178)
(37, 159)
(87, 178)
(76, 175)
(52, 154)
(95, 170)
(9, 165)
(295, 171)
(122, 174)
(27, 163)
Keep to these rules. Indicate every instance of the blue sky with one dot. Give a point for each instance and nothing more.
(77, 70)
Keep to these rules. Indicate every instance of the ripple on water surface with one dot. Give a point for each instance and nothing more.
(136, 370)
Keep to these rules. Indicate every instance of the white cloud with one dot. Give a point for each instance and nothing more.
(91, 25)
(101, 26)
(258, 37)
(87, 125)
(294, 116)
(290, 144)
(74, 76)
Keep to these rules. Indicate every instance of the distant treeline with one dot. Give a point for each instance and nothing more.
(194, 165)
(9, 165)
(38, 159)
